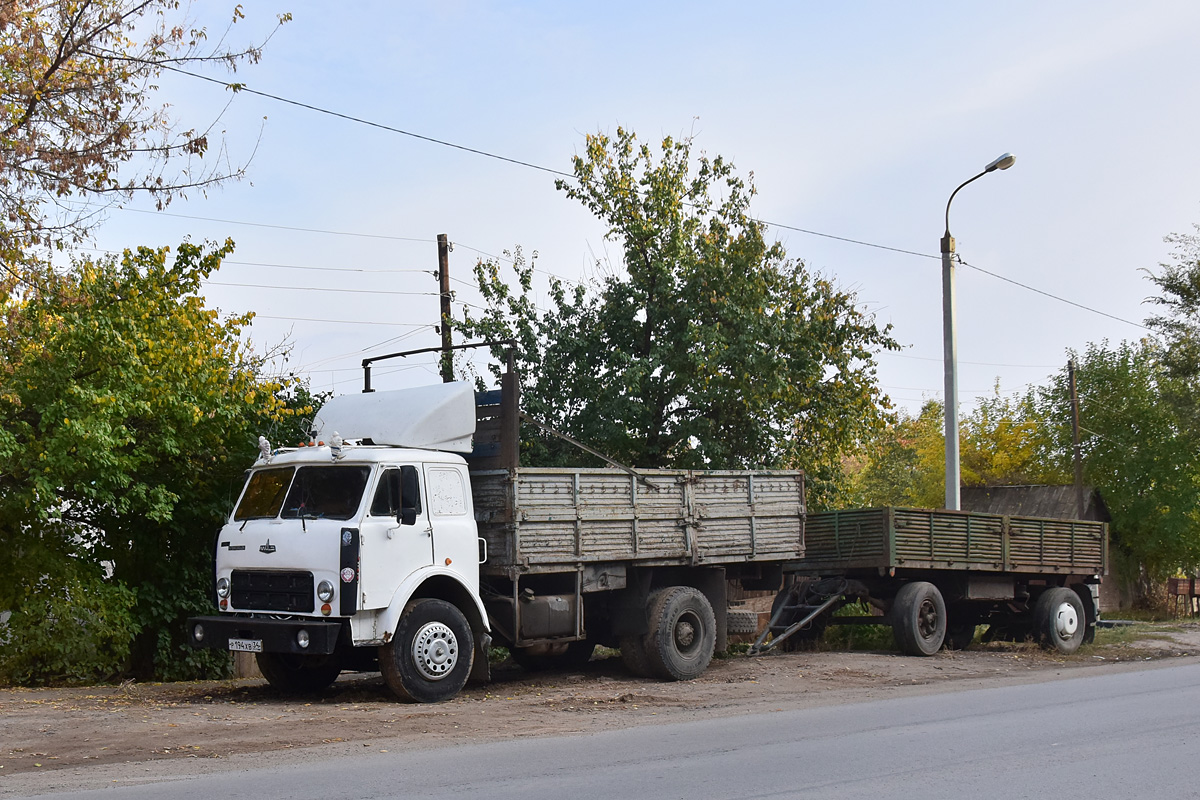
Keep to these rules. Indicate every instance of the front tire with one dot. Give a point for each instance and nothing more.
(1059, 620)
(296, 674)
(429, 659)
(683, 633)
(919, 619)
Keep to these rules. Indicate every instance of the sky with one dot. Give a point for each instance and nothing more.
(857, 120)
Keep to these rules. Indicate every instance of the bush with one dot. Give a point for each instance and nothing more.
(76, 631)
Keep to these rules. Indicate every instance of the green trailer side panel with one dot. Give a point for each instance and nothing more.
(896, 538)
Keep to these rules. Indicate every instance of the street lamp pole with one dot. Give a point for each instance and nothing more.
(950, 346)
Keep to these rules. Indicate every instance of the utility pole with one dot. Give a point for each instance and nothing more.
(443, 276)
(1075, 434)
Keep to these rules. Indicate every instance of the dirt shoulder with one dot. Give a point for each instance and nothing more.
(54, 739)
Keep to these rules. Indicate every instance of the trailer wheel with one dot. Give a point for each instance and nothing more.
(429, 658)
(633, 654)
(919, 619)
(296, 674)
(683, 633)
(564, 655)
(1059, 620)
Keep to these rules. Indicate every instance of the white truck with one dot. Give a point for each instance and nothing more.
(405, 538)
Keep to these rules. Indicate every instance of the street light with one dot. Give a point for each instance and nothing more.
(951, 349)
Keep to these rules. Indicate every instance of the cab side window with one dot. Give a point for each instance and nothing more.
(398, 489)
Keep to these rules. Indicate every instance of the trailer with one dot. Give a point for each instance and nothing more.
(935, 576)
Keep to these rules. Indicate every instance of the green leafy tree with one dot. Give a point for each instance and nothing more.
(1136, 451)
(128, 411)
(898, 466)
(1003, 441)
(79, 119)
(707, 346)
(1179, 326)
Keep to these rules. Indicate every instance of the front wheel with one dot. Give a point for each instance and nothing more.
(919, 618)
(429, 659)
(296, 674)
(1059, 620)
(683, 633)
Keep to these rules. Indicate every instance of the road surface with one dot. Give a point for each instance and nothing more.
(1124, 735)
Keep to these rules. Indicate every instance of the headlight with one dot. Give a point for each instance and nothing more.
(198, 632)
(223, 587)
(302, 637)
(325, 591)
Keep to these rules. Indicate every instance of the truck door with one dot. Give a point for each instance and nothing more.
(396, 536)
(456, 542)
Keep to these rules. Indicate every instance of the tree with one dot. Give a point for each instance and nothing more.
(128, 411)
(78, 117)
(900, 465)
(1135, 451)
(1003, 441)
(1179, 326)
(708, 346)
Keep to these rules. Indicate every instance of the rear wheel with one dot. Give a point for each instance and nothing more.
(683, 633)
(429, 659)
(1059, 620)
(563, 655)
(960, 636)
(633, 655)
(296, 674)
(919, 618)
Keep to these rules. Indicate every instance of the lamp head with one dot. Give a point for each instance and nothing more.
(1003, 162)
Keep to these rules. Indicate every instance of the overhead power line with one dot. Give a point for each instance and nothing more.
(347, 321)
(280, 227)
(314, 288)
(1054, 296)
(241, 87)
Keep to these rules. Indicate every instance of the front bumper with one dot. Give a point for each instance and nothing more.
(276, 635)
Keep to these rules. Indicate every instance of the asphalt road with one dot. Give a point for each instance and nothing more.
(1124, 735)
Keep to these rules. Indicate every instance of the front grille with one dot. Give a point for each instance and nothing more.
(272, 591)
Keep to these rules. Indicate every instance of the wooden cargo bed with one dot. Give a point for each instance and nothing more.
(911, 538)
(543, 518)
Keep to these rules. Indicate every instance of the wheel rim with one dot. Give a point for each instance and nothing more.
(1066, 621)
(927, 619)
(435, 650)
(687, 633)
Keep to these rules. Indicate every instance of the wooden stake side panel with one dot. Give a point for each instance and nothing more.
(546, 516)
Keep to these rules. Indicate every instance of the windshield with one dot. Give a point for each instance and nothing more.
(331, 492)
(264, 494)
(325, 492)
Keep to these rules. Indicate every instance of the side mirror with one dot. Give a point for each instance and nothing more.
(408, 516)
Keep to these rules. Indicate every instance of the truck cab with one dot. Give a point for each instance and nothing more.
(356, 550)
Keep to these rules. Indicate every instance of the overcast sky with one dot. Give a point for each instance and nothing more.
(857, 120)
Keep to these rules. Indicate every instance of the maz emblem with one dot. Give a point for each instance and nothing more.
(267, 548)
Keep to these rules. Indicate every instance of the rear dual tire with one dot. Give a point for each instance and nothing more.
(681, 637)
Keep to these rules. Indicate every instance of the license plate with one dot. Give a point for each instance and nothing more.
(246, 645)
